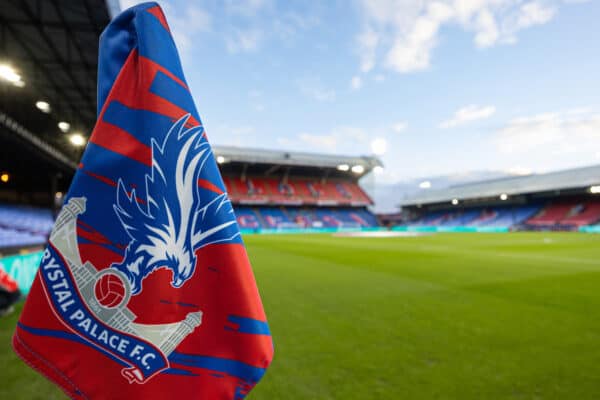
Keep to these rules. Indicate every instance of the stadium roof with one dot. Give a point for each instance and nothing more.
(48, 69)
(361, 164)
(578, 178)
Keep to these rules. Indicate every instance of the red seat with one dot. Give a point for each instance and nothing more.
(587, 216)
(552, 214)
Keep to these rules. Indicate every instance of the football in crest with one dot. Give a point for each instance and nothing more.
(110, 290)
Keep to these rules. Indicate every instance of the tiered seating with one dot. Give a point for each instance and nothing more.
(586, 215)
(494, 217)
(302, 217)
(328, 218)
(280, 192)
(295, 217)
(357, 194)
(432, 219)
(247, 218)
(250, 191)
(485, 217)
(505, 216)
(302, 190)
(460, 218)
(24, 226)
(345, 218)
(275, 218)
(296, 191)
(356, 217)
(551, 214)
(328, 193)
(14, 238)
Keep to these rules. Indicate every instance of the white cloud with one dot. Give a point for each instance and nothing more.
(242, 135)
(356, 82)
(243, 40)
(519, 170)
(319, 142)
(534, 13)
(288, 25)
(340, 140)
(411, 51)
(243, 25)
(367, 43)
(402, 34)
(570, 131)
(467, 114)
(245, 8)
(399, 126)
(313, 88)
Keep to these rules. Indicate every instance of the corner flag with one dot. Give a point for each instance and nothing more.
(145, 290)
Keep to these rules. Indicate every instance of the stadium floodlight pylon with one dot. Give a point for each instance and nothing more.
(145, 289)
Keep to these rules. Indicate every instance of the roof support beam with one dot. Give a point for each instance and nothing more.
(72, 38)
(48, 75)
(85, 95)
(35, 141)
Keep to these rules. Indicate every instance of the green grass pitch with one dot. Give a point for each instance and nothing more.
(447, 316)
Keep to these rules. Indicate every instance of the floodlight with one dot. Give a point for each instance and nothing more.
(77, 139)
(43, 106)
(454, 201)
(343, 167)
(64, 126)
(595, 189)
(358, 169)
(221, 159)
(10, 75)
(503, 197)
(4, 177)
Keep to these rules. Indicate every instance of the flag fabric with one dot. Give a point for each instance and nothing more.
(145, 290)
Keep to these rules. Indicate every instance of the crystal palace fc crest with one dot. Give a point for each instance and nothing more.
(166, 225)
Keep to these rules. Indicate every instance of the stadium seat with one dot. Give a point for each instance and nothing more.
(551, 214)
(247, 218)
(587, 215)
(24, 226)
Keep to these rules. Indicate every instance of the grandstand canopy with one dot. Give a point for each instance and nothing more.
(573, 180)
(48, 54)
(266, 162)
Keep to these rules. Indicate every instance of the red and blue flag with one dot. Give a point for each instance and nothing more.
(145, 290)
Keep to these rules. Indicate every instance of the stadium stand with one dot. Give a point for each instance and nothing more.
(23, 226)
(295, 191)
(282, 190)
(478, 217)
(552, 214)
(588, 214)
(53, 50)
(563, 200)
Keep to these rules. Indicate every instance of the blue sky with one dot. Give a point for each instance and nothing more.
(435, 87)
